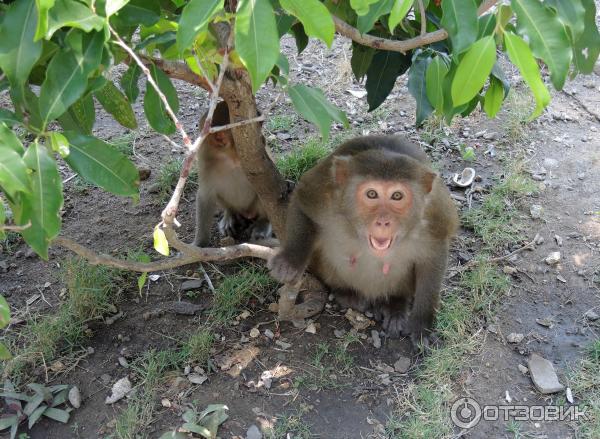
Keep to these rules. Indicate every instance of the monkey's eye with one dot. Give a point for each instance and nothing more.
(372, 194)
(397, 196)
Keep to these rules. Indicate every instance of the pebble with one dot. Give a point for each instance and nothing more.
(376, 338)
(536, 211)
(195, 378)
(539, 239)
(269, 334)
(311, 328)
(550, 163)
(192, 284)
(514, 337)
(553, 258)
(523, 369)
(254, 332)
(283, 345)
(339, 333)
(119, 390)
(253, 433)
(105, 378)
(402, 365)
(187, 370)
(543, 375)
(75, 397)
(90, 350)
(591, 315)
(123, 361)
(559, 240)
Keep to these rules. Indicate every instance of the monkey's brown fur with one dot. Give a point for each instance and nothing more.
(222, 183)
(327, 232)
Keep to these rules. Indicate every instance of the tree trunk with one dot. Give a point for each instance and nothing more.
(250, 143)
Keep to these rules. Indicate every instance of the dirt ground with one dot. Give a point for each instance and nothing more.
(561, 150)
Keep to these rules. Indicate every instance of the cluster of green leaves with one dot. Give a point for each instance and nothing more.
(206, 423)
(66, 48)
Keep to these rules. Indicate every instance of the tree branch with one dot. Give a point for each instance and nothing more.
(189, 254)
(402, 46)
(177, 70)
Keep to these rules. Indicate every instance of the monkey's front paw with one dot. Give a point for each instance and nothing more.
(261, 230)
(420, 337)
(393, 322)
(282, 270)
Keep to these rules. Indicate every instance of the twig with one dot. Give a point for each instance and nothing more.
(505, 257)
(423, 18)
(173, 143)
(402, 46)
(190, 254)
(237, 124)
(207, 279)
(4, 227)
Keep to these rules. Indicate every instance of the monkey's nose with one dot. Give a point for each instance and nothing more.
(382, 223)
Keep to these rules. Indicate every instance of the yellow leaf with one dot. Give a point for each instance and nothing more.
(161, 244)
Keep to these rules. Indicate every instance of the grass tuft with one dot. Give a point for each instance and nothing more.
(169, 175)
(124, 144)
(197, 348)
(584, 380)
(301, 159)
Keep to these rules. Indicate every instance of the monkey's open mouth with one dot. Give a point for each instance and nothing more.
(380, 244)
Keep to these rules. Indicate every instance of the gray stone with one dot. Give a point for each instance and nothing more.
(536, 211)
(402, 365)
(543, 375)
(550, 163)
(253, 433)
(376, 339)
(184, 308)
(513, 337)
(192, 284)
(591, 315)
(553, 258)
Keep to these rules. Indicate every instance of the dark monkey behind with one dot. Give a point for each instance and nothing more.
(374, 223)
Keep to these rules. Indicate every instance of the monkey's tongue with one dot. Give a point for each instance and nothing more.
(380, 243)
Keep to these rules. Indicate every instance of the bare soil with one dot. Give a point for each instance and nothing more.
(360, 398)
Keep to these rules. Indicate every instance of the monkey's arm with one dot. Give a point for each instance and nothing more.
(291, 261)
(429, 275)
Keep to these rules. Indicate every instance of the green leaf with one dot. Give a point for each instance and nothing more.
(174, 435)
(365, 22)
(9, 138)
(256, 39)
(59, 143)
(4, 355)
(214, 420)
(362, 56)
(100, 163)
(13, 172)
(362, 6)
(116, 104)
(18, 50)
(80, 116)
(8, 421)
(194, 19)
(417, 87)
(46, 197)
(493, 98)
(57, 414)
(198, 429)
(284, 22)
(4, 307)
(8, 117)
(2, 232)
(587, 46)
(43, 6)
(521, 56)
(129, 82)
(113, 6)
(547, 37)
(161, 244)
(32, 405)
(398, 12)
(155, 110)
(136, 12)
(487, 25)
(434, 82)
(312, 104)
(36, 415)
(572, 13)
(68, 13)
(473, 70)
(382, 74)
(498, 73)
(142, 281)
(460, 20)
(314, 16)
(66, 77)
(300, 37)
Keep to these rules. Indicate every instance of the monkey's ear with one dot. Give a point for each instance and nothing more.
(427, 181)
(221, 137)
(340, 169)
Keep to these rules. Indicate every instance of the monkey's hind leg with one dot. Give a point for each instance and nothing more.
(261, 229)
(393, 315)
(231, 224)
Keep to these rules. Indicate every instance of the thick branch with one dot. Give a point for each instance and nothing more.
(189, 254)
(177, 70)
(402, 46)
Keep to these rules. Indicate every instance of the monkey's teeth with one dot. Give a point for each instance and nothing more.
(380, 244)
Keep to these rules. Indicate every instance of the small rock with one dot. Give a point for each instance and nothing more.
(75, 397)
(507, 397)
(513, 337)
(550, 163)
(187, 370)
(560, 278)
(192, 284)
(253, 433)
(559, 240)
(154, 188)
(284, 136)
(536, 211)
(402, 365)
(112, 319)
(548, 322)
(254, 332)
(523, 369)
(184, 308)
(492, 328)
(553, 258)
(105, 378)
(195, 378)
(507, 269)
(489, 136)
(165, 403)
(283, 345)
(543, 375)
(144, 173)
(339, 333)
(569, 395)
(90, 350)
(311, 328)
(123, 361)
(538, 239)
(581, 175)
(269, 334)
(376, 339)
(591, 315)
(119, 390)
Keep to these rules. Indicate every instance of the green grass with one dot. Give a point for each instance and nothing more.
(281, 122)
(197, 348)
(584, 380)
(291, 424)
(81, 185)
(124, 143)
(92, 291)
(10, 242)
(302, 158)
(495, 221)
(515, 115)
(169, 175)
(148, 374)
